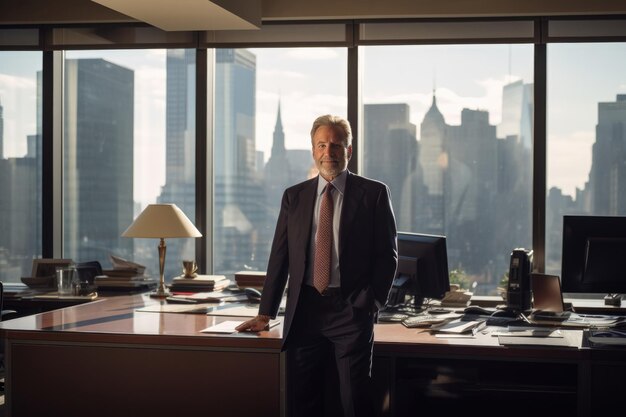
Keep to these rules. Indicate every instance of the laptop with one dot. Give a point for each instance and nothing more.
(547, 295)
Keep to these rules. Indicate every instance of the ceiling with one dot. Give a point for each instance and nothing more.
(178, 15)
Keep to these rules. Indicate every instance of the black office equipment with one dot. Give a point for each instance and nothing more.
(88, 271)
(253, 294)
(424, 259)
(594, 248)
(518, 295)
(547, 296)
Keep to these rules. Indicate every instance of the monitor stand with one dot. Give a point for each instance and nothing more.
(613, 300)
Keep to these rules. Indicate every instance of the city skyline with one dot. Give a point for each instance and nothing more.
(570, 135)
(461, 179)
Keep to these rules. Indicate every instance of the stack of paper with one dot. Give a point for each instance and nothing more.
(200, 283)
(250, 279)
(124, 275)
(207, 297)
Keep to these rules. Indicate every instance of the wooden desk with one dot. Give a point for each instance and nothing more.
(422, 373)
(104, 358)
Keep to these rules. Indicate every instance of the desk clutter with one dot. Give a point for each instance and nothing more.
(539, 328)
(250, 279)
(124, 275)
(199, 283)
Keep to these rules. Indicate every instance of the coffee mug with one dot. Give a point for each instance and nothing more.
(189, 269)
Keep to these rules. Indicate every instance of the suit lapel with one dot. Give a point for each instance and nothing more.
(304, 213)
(352, 201)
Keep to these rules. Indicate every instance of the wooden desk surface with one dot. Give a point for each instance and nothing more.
(396, 339)
(107, 353)
(165, 356)
(115, 319)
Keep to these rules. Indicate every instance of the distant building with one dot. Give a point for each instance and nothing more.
(517, 113)
(20, 212)
(98, 159)
(433, 158)
(1, 130)
(391, 156)
(180, 155)
(241, 237)
(277, 172)
(607, 178)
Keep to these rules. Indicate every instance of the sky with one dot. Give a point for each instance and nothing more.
(309, 82)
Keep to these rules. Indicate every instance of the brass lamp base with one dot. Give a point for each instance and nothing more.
(160, 294)
(161, 291)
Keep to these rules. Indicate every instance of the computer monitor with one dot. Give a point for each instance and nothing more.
(424, 260)
(594, 248)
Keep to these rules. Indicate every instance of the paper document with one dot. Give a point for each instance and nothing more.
(456, 326)
(535, 341)
(538, 332)
(230, 326)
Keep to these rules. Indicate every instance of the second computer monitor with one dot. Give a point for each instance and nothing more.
(593, 254)
(424, 259)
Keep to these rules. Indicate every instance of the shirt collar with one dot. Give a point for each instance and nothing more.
(339, 182)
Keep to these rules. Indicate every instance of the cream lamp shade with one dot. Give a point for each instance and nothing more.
(161, 221)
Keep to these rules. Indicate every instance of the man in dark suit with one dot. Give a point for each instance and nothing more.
(332, 296)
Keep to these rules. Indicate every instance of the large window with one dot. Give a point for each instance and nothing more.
(586, 119)
(445, 118)
(129, 140)
(449, 130)
(20, 163)
(265, 103)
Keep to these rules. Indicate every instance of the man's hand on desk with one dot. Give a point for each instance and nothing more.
(256, 324)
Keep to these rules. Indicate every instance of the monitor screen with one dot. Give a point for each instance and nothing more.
(593, 252)
(424, 259)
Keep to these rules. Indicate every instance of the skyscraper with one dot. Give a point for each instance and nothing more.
(278, 168)
(517, 112)
(180, 147)
(1, 130)
(607, 179)
(20, 209)
(387, 126)
(240, 207)
(98, 159)
(433, 159)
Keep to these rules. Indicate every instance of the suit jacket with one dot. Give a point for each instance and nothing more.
(368, 255)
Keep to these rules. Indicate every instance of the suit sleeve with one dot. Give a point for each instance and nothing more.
(386, 248)
(278, 264)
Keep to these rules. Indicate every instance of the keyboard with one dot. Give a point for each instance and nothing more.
(423, 320)
(388, 317)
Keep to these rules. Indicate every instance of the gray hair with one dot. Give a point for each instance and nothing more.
(335, 122)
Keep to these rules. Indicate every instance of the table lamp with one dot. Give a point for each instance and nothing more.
(161, 221)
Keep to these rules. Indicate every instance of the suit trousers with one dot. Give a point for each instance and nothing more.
(329, 334)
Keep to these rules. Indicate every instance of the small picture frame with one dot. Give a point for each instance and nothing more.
(46, 267)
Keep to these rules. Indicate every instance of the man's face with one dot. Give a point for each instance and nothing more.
(330, 153)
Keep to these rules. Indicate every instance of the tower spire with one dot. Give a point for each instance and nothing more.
(278, 144)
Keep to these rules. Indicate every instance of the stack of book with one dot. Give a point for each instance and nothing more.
(250, 279)
(125, 275)
(199, 283)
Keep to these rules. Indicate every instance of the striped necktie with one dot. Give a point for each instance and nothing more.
(324, 242)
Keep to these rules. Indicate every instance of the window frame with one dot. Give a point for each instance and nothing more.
(350, 33)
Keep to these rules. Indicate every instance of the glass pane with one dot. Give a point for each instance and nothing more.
(265, 103)
(449, 130)
(586, 155)
(20, 163)
(129, 140)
